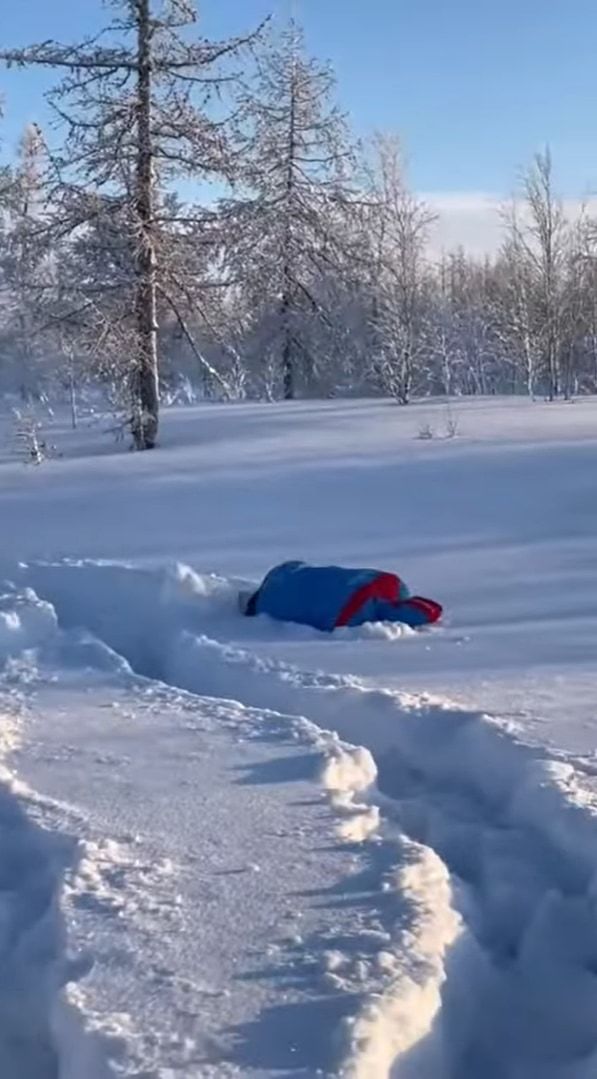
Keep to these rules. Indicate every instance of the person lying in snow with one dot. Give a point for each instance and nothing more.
(327, 597)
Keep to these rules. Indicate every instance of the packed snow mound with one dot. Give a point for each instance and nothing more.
(391, 1025)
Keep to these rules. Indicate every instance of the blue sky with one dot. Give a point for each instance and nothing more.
(473, 86)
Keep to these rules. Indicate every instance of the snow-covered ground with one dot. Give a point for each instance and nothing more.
(255, 850)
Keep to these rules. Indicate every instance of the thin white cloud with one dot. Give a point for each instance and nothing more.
(472, 220)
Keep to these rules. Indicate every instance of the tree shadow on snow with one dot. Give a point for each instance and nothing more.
(296, 1038)
(289, 769)
(304, 1034)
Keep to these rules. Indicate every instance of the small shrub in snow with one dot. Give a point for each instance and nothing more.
(30, 445)
(426, 432)
(452, 422)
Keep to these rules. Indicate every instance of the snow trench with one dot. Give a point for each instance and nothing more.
(497, 973)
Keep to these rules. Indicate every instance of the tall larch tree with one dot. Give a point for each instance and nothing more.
(136, 102)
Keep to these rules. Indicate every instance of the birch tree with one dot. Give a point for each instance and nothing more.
(518, 331)
(397, 225)
(543, 238)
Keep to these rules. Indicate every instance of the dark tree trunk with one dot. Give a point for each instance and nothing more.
(145, 379)
(288, 373)
(287, 358)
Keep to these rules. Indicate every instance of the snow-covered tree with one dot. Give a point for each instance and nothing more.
(541, 237)
(136, 104)
(312, 276)
(396, 224)
(25, 264)
(282, 237)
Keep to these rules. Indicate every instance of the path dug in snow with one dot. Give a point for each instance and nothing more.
(511, 829)
(233, 905)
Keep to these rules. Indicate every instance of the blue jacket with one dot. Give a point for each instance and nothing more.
(327, 597)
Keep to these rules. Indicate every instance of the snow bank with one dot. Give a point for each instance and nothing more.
(40, 1032)
(33, 863)
(400, 983)
(137, 610)
(393, 1022)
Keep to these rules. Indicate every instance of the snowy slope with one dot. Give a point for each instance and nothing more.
(228, 908)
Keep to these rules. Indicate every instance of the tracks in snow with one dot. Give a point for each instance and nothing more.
(516, 829)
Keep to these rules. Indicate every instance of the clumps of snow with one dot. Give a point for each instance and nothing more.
(209, 593)
(376, 631)
(9, 736)
(112, 877)
(347, 771)
(411, 968)
(361, 823)
(26, 622)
